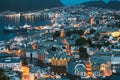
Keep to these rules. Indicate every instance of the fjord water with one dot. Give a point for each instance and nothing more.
(19, 21)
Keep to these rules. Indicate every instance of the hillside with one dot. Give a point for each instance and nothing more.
(110, 4)
(28, 5)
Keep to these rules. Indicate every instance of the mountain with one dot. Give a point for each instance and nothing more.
(28, 5)
(111, 4)
(95, 4)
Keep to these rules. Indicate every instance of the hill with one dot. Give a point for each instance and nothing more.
(28, 5)
(102, 4)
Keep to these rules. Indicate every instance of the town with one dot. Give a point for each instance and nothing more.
(81, 43)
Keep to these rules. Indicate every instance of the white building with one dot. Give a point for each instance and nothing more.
(20, 38)
(80, 70)
(14, 63)
(115, 60)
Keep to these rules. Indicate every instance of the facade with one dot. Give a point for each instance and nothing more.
(59, 61)
(115, 62)
(80, 70)
(89, 72)
(32, 54)
(35, 55)
(76, 69)
(13, 63)
(106, 62)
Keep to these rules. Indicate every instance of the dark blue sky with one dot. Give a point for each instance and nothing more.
(72, 2)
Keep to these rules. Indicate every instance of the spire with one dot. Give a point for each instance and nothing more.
(89, 69)
(62, 34)
(91, 22)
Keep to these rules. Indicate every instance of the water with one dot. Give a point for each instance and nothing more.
(20, 21)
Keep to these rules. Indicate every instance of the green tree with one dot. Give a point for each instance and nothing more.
(24, 62)
(56, 34)
(2, 75)
(81, 42)
(83, 53)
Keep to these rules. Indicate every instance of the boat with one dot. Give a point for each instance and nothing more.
(13, 29)
(9, 29)
(25, 26)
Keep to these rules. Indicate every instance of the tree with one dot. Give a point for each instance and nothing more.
(56, 34)
(81, 42)
(54, 48)
(80, 32)
(24, 62)
(83, 53)
(2, 75)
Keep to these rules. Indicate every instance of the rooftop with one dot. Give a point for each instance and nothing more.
(10, 60)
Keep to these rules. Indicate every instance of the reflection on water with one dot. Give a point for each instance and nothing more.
(18, 20)
(21, 20)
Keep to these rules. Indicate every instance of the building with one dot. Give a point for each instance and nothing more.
(76, 69)
(60, 59)
(115, 63)
(89, 72)
(13, 63)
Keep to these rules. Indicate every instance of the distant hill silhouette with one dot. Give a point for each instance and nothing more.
(114, 4)
(110, 4)
(28, 5)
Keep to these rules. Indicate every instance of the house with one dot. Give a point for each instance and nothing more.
(76, 69)
(115, 62)
(13, 63)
